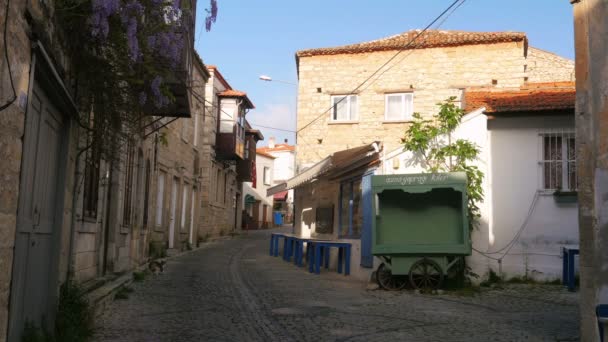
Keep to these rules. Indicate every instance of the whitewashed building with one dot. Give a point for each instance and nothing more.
(527, 143)
(257, 205)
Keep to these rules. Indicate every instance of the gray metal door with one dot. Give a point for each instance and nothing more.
(34, 282)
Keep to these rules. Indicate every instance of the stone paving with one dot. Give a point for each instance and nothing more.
(234, 291)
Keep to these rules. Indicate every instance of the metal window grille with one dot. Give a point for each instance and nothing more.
(91, 181)
(558, 160)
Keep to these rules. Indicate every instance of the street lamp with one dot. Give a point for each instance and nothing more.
(269, 79)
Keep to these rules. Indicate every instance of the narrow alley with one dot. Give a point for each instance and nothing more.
(233, 290)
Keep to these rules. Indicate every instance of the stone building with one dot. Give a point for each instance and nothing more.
(65, 214)
(228, 153)
(591, 47)
(176, 184)
(343, 113)
(440, 64)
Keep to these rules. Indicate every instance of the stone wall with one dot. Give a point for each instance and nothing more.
(431, 74)
(544, 66)
(12, 121)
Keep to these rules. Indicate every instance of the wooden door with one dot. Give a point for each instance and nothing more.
(256, 215)
(35, 267)
(265, 216)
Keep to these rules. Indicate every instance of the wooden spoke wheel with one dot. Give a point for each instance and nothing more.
(387, 280)
(426, 274)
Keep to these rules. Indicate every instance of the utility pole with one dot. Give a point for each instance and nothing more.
(591, 47)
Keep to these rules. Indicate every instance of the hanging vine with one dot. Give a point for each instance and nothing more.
(126, 53)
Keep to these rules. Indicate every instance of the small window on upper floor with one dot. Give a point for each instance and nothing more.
(344, 108)
(399, 107)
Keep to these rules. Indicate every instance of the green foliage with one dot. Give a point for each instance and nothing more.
(140, 276)
(493, 278)
(157, 251)
(123, 293)
(74, 320)
(162, 139)
(431, 143)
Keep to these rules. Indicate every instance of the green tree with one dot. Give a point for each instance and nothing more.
(435, 150)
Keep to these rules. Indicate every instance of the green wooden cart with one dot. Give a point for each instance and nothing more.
(421, 229)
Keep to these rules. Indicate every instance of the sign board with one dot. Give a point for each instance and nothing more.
(420, 179)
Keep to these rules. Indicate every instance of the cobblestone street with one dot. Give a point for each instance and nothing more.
(233, 291)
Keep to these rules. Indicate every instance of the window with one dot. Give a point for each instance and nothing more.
(196, 123)
(128, 186)
(246, 149)
(184, 130)
(266, 175)
(344, 108)
(184, 206)
(351, 211)
(159, 199)
(218, 181)
(225, 189)
(192, 209)
(146, 193)
(91, 183)
(559, 162)
(399, 107)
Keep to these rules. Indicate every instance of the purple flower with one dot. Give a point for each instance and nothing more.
(101, 10)
(142, 98)
(132, 41)
(152, 41)
(160, 100)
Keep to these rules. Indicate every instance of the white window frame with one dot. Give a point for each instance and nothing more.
(184, 206)
(406, 114)
(266, 176)
(565, 136)
(351, 118)
(160, 198)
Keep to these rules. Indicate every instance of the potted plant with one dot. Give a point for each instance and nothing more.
(561, 196)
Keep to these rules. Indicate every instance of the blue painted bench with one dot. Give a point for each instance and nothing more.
(274, 243)
(568, 277)
(319, 251)
(601, 312)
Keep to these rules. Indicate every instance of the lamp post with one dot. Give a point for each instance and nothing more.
(267, 78)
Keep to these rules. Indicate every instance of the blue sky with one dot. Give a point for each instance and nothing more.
(255, 37)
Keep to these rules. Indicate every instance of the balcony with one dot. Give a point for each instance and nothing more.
(231, 136)
(245, 167)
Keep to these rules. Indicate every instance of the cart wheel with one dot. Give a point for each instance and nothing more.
(426, 274)
(387, 280)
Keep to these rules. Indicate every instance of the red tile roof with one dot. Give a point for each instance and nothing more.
(529, 98)
(236, 93)
(278, 148)
(430, 39)
(262, 153)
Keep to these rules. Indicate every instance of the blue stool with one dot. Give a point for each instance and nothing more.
(601, 311)
(568, 267)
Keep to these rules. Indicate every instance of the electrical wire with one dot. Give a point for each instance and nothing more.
(386, 63)
(446, 17)
(8, 62)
